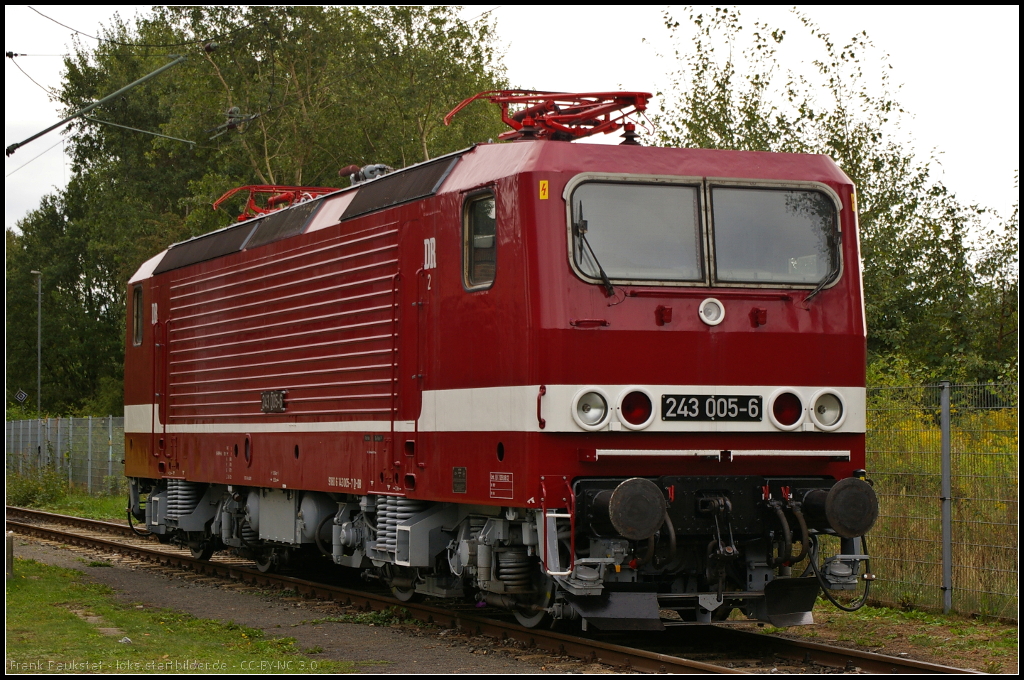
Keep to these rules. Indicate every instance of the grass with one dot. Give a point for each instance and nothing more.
(47, 489)
(956, 640)
(80, 504)
(54, 619)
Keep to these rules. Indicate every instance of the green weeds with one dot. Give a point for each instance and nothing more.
(47, 488)
(37, 488)
(383, 617)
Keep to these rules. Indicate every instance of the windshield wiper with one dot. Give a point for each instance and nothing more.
(828, 277)
(581, 231)
(819, 287)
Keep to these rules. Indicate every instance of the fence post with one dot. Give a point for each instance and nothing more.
(947, 503)
(88, 470)
(71, 451)
(60, 453)
(110, 448)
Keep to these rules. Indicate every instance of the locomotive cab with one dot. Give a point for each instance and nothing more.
(573, 381)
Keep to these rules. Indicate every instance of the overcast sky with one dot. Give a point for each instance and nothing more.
(958, 66)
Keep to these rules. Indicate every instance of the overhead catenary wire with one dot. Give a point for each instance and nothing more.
(126, 44)
(147, 132)
(493, 9)
(14, 147)
(17, 66)
(32, 159)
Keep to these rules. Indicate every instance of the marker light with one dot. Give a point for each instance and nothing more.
(636, 410)
(786, 410)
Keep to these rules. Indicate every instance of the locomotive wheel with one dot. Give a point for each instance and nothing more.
(407, 577)
(544, 586)
(265, 561)
(406, 594)
(201, 550)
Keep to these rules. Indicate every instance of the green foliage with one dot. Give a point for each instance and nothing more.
(48, 490)
(904, 459)
(289, 96)
(41, 487)
(937, 306)
(963, 642)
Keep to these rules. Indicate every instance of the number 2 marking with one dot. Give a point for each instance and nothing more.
(670, 413)
(428, 281)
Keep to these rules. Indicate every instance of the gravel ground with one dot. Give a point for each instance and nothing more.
(407, 649)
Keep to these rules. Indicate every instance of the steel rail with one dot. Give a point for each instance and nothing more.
(619, 656)
(80, 522)
(557, 643)
(802, 651)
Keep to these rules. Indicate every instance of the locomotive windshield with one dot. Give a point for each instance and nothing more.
(773, 235)
(638, 232)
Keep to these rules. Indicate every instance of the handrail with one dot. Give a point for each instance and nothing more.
(570, 501)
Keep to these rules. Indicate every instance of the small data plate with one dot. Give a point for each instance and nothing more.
(272, 401)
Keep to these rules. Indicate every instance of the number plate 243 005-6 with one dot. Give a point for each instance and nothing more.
(711, 407)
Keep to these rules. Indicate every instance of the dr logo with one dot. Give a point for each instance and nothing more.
(429, 253)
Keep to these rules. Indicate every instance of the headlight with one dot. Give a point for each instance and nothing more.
(590, 409)
(827, 409)
(711, 312)
(785, 409)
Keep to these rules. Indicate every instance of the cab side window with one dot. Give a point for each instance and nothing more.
(137, 315)
(479, 242)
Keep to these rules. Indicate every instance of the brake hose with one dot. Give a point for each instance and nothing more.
(804, 534)
(824, 585)
(787, 536)
(132, 526)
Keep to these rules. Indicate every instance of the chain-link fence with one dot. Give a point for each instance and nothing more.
(87, 451)
(944, 461)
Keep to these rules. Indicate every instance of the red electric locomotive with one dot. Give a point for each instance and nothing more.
(575, 381)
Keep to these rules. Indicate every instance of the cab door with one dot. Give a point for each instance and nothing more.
(417, 287)
(160, 445)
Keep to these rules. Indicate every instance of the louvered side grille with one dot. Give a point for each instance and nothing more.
(317, 321)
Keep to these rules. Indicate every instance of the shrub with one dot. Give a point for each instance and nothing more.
(36, 487)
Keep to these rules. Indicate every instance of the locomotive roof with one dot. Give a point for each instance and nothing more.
(485, 163)
(489, 162)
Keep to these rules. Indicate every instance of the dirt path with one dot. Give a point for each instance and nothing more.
(406, 649)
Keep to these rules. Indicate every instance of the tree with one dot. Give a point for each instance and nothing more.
(936, 305)
(289, 95)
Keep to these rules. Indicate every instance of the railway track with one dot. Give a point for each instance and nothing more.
(119, 538)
